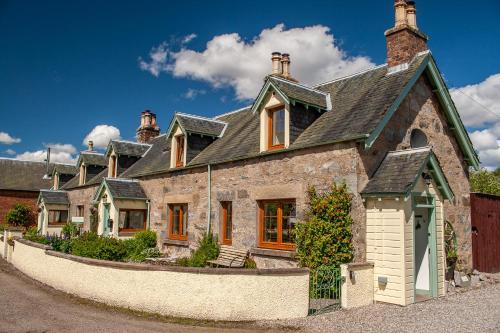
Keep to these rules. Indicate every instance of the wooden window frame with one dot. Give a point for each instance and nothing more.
(278, 245)
(120, 230)
(57, 223)
(78, 210)
(270, 113)
(179, 153)
(114, 160)
(224, 219)
(178, 236)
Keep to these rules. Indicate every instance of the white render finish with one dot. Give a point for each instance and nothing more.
(208, 296)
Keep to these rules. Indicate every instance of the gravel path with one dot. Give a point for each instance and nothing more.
(472, 311)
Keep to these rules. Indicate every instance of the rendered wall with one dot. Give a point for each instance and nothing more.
(357, 285)
(211, 294)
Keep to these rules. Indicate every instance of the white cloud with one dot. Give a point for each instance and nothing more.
(193, 93)
(10, 152)
(101, 135)
(473, 100)
(189, 38)
(231, 61)
(6, 139)
(479, 108)
(59, 153)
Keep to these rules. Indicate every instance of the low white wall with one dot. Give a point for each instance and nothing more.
(206, 293)
(357, 285)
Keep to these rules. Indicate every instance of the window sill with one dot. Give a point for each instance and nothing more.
(56, 225)
(128, 233)
(273, 253)
(176, 242)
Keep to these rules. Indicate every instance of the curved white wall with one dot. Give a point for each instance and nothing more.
(212, 294)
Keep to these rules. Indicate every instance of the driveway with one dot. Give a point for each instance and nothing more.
(29, 306)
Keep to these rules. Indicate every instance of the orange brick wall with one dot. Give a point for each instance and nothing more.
(9, 198)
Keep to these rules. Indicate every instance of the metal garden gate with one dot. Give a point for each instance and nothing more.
(324, 289)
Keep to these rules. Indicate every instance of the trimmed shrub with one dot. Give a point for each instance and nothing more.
(69, 230)
(33, 235)
(142, 246)
(92, 246)
(20, 216)
(325, 237)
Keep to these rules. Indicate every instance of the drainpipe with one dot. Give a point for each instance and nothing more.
(148, 202)
(209, 187)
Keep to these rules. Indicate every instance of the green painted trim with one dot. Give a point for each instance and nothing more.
(443, 187)
(395, 105)
(453, 115)
(105, 217)
(263, 92)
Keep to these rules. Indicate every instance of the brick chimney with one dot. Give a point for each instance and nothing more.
(148, 129)
(404, 40)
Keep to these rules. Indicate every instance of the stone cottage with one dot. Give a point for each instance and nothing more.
(391, 133)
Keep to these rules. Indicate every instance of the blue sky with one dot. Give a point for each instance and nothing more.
(69, 66)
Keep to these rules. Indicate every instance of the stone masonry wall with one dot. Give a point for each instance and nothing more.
(82, 196)
(421, 109)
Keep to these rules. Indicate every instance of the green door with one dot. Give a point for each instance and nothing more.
(105, 220)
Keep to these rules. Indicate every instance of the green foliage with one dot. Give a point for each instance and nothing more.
(4, 226)
(20, 216)
(142, 246)
(485, 181)
(93, 246)
(33, 234)
(250, 263)
(325, 237)
(450, 244)
(70, 230)
(208, 249)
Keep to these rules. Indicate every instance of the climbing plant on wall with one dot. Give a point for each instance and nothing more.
(324, 238)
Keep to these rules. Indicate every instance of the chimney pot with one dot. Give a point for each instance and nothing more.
(400, 12)
(276, 61)
(411, 14)
(285, 64)
(91, 145)
(148, 128)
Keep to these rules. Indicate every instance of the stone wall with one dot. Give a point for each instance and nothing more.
(82, 196)
(421, 110)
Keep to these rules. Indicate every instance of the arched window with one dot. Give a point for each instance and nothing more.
(418, 139)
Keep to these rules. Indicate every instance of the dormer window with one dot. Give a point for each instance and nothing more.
(83, 176)
(112, 166)
(276, 128)
(179, 153)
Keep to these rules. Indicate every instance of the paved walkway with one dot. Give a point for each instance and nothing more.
(29, 306)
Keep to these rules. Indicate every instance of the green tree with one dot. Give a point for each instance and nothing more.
(485, 181)
(325, 237)
(20, 216)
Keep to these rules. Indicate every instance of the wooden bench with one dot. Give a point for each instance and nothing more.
(230, 257)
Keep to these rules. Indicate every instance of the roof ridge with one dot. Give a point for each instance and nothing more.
(351, 75)
(49, 190)
(132, 142)
(122, 179)
(200, 117)
(19, 160)
(298, 85)
(409, 150)
(91, 152)
(234, 111)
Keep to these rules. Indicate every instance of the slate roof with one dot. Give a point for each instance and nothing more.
(128, 148)
(93, 180)
(65, 169)
(299, 92)
(156, 160)
(201, 125)
(72, 183)
(92, 158)
(23, 175)
(54, 197)
(398, 172)
(359, 103)
(125, 189)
